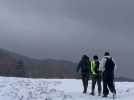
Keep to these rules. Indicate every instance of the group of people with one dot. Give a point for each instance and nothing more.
(97, 71)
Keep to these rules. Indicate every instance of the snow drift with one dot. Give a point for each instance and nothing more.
(55, 89)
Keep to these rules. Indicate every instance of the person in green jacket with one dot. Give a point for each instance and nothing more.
(95, 75)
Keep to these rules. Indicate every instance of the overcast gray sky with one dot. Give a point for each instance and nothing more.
(66, 29)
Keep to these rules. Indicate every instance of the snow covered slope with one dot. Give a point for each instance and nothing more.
(55, 89)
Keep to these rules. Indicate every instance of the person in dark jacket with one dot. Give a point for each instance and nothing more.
(107, 66)
(84, 66)
(96, 75)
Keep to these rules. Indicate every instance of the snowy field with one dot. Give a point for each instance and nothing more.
(55, 89)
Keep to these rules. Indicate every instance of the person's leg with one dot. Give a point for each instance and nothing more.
(99, 85)
(111, 85)
(84, 83)
(93, 84)
(105, 89)
(82, 77)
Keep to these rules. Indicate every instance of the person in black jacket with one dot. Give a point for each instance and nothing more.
(107, 66)
(84, 66)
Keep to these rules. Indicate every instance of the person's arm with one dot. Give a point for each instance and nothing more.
(89, 66)
(115, 67)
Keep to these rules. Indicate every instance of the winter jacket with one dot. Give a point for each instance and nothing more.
(103, 62)
(84, 66)
(95, 67)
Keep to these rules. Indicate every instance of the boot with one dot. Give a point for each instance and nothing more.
(92, 93)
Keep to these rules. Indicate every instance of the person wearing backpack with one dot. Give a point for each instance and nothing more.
(107, 66)
(96, 75)
(84, 66)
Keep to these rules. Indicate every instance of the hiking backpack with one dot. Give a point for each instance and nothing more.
(109, 65)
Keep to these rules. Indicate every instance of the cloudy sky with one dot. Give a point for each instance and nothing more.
(66, 29)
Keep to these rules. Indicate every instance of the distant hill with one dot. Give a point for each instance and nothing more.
(13, 64)
(122, 79)
(49, 68)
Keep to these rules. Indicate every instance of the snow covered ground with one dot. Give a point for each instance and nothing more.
(55, 89)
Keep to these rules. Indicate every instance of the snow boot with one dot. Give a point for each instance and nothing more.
(92, 93)
(104, 96)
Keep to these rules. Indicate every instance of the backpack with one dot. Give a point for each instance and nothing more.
(109, 65)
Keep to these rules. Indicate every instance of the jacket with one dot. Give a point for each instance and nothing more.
(103, 62)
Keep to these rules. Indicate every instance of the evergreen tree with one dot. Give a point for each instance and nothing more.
(20, 70)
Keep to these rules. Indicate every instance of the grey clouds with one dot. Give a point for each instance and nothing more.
(65, 29)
